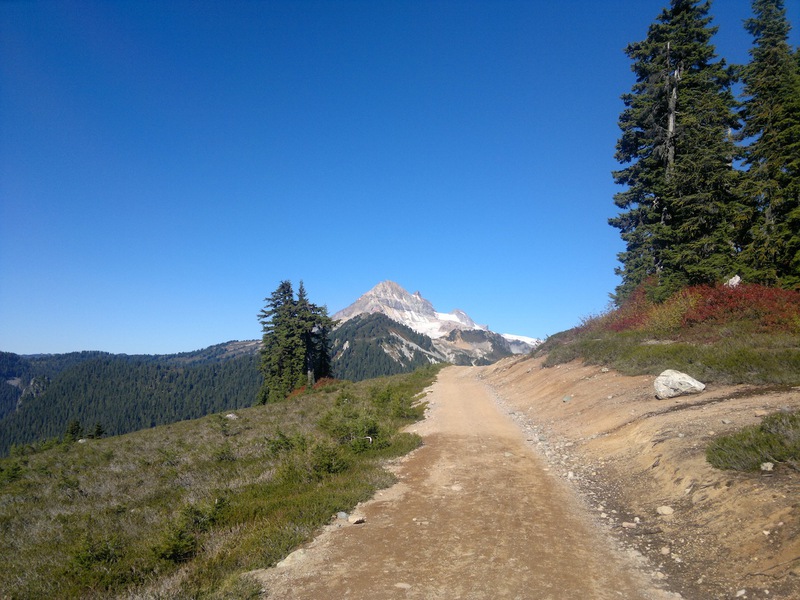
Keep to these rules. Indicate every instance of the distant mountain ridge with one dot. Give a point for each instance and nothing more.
(480, 346)
(386, 331)
(373, 345)
(411, 310)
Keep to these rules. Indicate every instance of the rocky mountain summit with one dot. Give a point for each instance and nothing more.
(455, 337)
(411, 310)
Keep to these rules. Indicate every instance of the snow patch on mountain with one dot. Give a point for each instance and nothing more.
(408, 349)
(417, 313)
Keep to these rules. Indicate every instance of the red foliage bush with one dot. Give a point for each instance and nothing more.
(631, 315)
(296, 392)
(768, 307)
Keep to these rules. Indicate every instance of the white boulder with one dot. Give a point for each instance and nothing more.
(733, 282)
(674, 383)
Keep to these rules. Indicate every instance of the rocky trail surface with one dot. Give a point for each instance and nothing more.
(640, 465)
(478, 513)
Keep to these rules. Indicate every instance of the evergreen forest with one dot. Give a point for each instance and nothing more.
(369, 346)
(89, 392)
(712, 180)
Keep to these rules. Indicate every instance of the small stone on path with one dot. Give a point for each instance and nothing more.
(356, 519)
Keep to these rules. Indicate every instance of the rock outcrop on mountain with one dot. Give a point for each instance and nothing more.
(373, 345)
(455, 337)
(411, 310)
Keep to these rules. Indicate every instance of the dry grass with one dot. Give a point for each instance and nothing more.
(181, 510)
(749, 334)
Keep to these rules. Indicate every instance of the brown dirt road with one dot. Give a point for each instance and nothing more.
(476, 514)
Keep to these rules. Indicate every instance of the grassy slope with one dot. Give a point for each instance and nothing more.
(182, 510)
(749, 334)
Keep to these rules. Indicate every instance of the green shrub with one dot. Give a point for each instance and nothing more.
(10, 472)
(776, 439)
(281, 443)
(225, 453)
(97, 562)
(94, 549)
(327, 460)
(178, 544)
(194, 517)
(161, 516)
(358, 429)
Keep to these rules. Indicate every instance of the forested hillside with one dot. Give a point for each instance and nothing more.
(374, 345)
(120, 393)
(41, 396)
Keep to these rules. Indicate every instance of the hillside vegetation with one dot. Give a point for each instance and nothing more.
(120, 393)
(42, 396)
(359, 347)
(183, 509)
(744, 334)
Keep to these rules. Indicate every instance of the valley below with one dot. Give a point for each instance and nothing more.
(566, 482)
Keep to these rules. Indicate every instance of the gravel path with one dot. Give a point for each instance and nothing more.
(476, 515)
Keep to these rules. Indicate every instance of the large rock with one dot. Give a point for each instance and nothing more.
(674, 383)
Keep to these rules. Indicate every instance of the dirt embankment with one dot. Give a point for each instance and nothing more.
(728, 535)
(566, 483)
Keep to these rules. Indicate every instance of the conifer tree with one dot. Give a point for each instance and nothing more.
(680, 209)
(771, 115)
(295, 344)
(315, 327)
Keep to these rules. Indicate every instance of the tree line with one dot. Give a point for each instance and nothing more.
(712, 181)
(110, 394)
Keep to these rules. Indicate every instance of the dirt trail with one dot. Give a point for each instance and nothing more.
(476, 514)
(730, 534)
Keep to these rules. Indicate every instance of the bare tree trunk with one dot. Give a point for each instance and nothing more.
(672, 110)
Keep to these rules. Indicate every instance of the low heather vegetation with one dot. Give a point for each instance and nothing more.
(182, 510)
(775, 440)
(744, 334)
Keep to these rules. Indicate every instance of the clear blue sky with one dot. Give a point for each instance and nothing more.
(164, 165)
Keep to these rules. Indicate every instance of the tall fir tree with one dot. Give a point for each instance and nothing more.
(771, 115)
(316, 327)
(276, 363)
(295, 348)
(680, 218)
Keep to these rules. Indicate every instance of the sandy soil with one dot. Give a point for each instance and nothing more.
(731, 535)
(478, 513)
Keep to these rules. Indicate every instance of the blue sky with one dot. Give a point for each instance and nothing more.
(164, 165)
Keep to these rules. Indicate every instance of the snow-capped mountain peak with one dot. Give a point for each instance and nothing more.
(408, 329)
(417, 313)
(411, 310)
